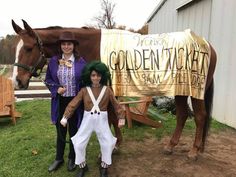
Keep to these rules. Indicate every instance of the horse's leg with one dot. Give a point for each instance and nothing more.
(181, 116)
(200, 118)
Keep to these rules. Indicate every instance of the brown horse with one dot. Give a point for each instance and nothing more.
(38, 44)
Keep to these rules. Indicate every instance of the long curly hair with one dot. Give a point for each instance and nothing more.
(100, 68)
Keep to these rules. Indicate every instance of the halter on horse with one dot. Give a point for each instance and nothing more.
(36, 44)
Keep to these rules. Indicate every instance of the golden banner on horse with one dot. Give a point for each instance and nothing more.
(161, 64)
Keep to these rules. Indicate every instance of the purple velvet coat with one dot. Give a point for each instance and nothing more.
(53, 84)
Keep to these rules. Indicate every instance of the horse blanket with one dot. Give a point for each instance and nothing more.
(167, 64)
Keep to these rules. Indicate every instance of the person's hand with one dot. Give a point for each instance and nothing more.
(121, 123)
(63, 121)
(61, 90)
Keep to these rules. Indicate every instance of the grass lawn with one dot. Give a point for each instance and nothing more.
(27, 149)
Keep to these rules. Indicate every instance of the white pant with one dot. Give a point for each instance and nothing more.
(89, 124)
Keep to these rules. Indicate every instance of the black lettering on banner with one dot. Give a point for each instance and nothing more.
(197, 81)
(127, 78)
(204, 59)
(187, 62)
(145, 59)
(182, 78)
(195, 59)
(137, 59)
(112, 56)
(157, 79)
(147, 41)
(175, 61)
(154, 59)
(151, 79)
(168, 57)
(121, 57)
(129, 64)
(179, 59)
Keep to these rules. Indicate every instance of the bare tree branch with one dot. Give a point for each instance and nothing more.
(106, 18)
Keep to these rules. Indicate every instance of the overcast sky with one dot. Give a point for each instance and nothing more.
(71, 13)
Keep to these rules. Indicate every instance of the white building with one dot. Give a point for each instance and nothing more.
(216, 21)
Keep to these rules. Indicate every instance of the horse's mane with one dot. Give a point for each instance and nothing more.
(88, 27)
(50, 28)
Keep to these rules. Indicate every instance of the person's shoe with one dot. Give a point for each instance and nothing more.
(71, 166)
(82, 171)
(103, 172)
(55, 165)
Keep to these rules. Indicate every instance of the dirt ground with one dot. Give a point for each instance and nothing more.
(145, 159)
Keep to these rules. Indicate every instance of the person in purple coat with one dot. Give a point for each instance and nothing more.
(63, 81)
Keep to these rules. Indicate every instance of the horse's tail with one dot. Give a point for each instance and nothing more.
(208, 105)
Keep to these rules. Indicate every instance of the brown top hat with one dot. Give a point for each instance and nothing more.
(67, 36)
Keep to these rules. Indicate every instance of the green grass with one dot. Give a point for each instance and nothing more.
(4, 70)
(27, 149)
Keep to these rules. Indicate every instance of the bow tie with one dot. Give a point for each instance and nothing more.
(66, 63)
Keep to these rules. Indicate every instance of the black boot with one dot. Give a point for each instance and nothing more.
(55, 165)
(82, 171)
(71, 165)
(103, 172)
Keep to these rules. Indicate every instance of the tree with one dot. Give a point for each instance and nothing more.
(143, 30)
(7, 49)
(106, 18)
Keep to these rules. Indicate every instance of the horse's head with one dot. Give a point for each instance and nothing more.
(29, 56)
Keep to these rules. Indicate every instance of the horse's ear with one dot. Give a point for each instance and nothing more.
(16, 28)
(28, 28)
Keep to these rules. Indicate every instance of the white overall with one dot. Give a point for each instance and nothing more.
(94, 121)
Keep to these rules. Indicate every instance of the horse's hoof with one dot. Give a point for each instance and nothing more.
(115, 150)
(167, 150)
(193, 156)
(201, 149)
(118, 142)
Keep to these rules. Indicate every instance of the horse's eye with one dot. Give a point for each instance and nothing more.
(28, 49)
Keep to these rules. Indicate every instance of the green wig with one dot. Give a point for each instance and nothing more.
(100, 68)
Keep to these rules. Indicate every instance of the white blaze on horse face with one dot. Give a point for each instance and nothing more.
(15, 71)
